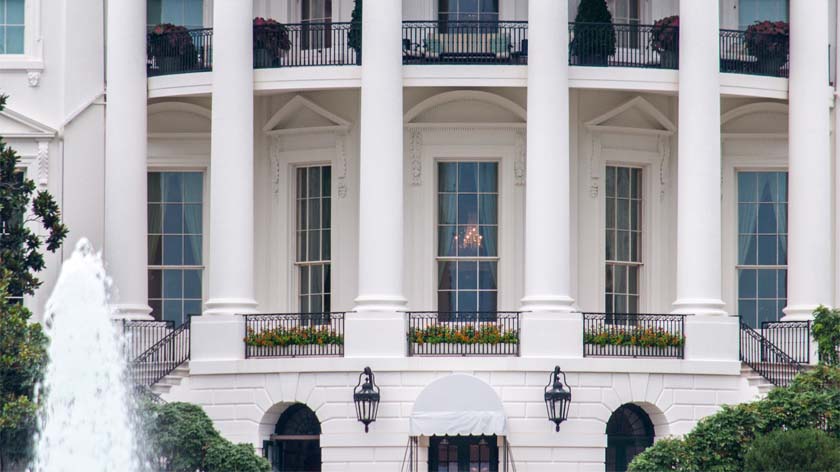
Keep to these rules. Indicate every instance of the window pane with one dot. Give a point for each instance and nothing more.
(155, 250)
(193, 187)
(192, 284)
(173, 250)
(467, 209)
(192, 250)
(447, 176)
(467, 275)
(173, 219)
(447, 241)
(172, 188)
(467, 177)
(747, 283)
(467, 301)
(155, 218)
(155, 284)
(487, 276)
(172, 284)
(192, 219)
(488, 177)
(447, 279)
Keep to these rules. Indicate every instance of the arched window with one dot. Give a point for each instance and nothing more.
(629, 432)
(295, 444)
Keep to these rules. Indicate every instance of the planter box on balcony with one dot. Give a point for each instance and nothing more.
(451, 349)
(594, 350)
(312, 350)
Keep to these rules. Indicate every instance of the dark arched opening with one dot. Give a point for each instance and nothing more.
(629, 432)
(296, 442)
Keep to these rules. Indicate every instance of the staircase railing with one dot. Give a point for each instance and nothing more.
(767, 359)
(140, 335)
(162, 358)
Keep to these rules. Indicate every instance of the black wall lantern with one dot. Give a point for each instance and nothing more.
(558, 396)
(366, 398)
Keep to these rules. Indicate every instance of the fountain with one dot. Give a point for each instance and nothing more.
(87, 421)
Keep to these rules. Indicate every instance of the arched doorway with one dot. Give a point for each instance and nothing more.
(295, 445)
(629, 432)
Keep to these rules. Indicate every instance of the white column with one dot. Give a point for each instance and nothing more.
(231, 265)
(548, 227)
(125, 157)
(710, 334)
(810, 277)
(377, 328)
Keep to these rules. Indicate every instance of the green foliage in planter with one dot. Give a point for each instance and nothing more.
(720, 442)
(768, 40)
(665, 34)
(443, 334)
(182, 439)
(594, 33)
(799, 449)
(354, 37)
(297, 336)
(826, 331)
(640, 337)
(168, 40)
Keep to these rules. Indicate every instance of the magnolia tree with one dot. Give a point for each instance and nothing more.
(23, 355)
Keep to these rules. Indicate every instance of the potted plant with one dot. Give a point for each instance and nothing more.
(171, 48)
(354, 38)
(665, 39)
(769, 43)
(594, 34)
(271, 41)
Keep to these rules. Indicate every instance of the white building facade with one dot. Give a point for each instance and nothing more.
(481, 191)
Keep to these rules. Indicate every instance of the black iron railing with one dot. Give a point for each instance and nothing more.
(623, 45)
(745, 52)
(465, 42)
(294, 335)
(306, 44)
(792, 337)
(633, 335)
(767, 359)
(463, 333)
(140, 335)
(180, 52)
(162, 358)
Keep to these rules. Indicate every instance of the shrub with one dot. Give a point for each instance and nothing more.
(183, 439)
(168, 40)
(768, 39)
(665, 34)
(720, 442)
(270, 35)
(799, 449)
(594, 33)
(224, 456)
(826, 331)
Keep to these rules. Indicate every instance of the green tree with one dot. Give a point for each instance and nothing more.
(23, 345)
(798, 449)
(826, 331)
(20, 247)
(721, 441)
(23, 358)
(182, 436)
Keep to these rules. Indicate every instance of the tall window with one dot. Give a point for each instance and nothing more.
(11, 26)
(623, 239)
(468, 10)
(625, 12)
(629, 432)
(295, 445)
(468, 228)
(750, 11)
(189, 13)
(313, 238)
(762, 246)
(316, 16)
(175, 244)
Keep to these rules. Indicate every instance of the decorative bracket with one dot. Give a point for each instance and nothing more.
(520, 164)
(416, 164)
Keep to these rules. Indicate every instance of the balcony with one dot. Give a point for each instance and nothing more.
(633, 335)
(463, 334)
(294, 335)
(182, 51)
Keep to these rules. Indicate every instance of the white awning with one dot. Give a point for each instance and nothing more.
(458, 405)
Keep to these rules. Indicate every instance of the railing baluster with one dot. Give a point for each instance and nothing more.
(633, 335)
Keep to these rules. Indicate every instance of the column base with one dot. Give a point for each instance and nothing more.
(129, 311)
(711, 338)
(376, 327)
(699, 307)
(799, 312)
(217, 337)
(230, 306)
(548, 303)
